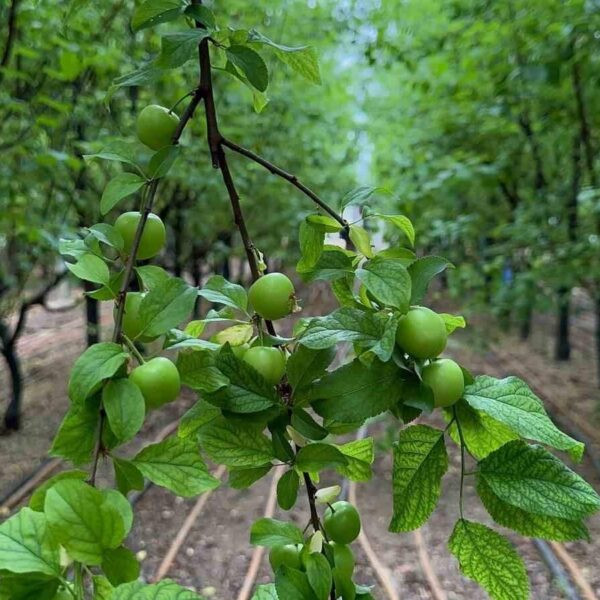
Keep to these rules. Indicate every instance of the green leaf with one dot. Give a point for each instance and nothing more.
(251, 64)
(247, 392)
(287, 489)
(127, 475)
(175, 464)
(28, 586)
(84, 520)
(358, 196)
(236, 445)
(311, 245)
(147, 74)
(305, 365)
(292, 584)
(527, 523)
(26, 545)
(220, 291)
(453, 322)
(153, 12)
(342, 325)
(324, 223)
(422, 271)
(97, 363)
(319, 575)
(163, 590)
(125, 408)
(334, 263)
(400, 222)
(107, 234)
(179, 47)
(317, 456)
(90, 267)
(481, 433)
(119, 151)
(36, 502)
(163, 160)
(77, 433)
(511, 402)
(304, 424)
(360, 455)
(103, 590)
(121, 186)
(202, 14)
(362, 240)
(197, 369)
(388, 281)
(420, 461)
(534, 480)
(356, 392)
(166, 305)
(120, 565)
(490, 560)
(197, 416)
(240, 479)
(265, 592)
(150, 276)
(271, 532)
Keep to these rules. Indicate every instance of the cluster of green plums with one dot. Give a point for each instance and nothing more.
(422, 335)
(341, 525)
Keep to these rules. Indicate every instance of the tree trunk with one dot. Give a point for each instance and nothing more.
(525, 323)
(12, 416)
(562, 349)
(92, 314)
(597, 304)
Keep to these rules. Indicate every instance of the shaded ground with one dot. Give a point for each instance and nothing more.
(215, 556)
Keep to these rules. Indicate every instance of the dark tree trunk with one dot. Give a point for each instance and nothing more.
(525, 323)
(12, 416)
(562, 349)
(598, 337)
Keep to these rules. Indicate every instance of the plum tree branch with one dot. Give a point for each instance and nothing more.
(290, 177)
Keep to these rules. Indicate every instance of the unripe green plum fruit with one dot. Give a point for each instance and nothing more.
(132, 324)
(288, 554)
(158, 380)
(446, 380)
(343, 558)
(156, 126)
(422, 333)
(272, 296)
(268, 361)
(341, 522)
(153, 236)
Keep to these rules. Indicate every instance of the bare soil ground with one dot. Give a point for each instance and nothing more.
(215, 556)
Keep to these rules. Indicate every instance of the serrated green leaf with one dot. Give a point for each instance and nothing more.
(481, 433)
(512, 402)
(90, 267)
(99, 362)
(356, 392)
(317, 456)
(161, 162)
(128, 477)
(36, 502)
(251, 64)
(103, 590)
(304, 424)
(119, 151)
(107, 234)
(77, 433)
(358, 196)
(527, 523)
(120, 565)
(334, 263)
(163, 590)
(490, 560)
(196, 417)
(287, 489)
(361, 239)
(179, 47)
(453, 322)
(150, 276)
(305, 365)
(83, 520)
(121, 186)
(388, 281)
(360, 455)
(201, 14)
(197, 369)
(175, 464)
(342, 325)
(26, 545)
(220, 291)
(311, 245)
(292, 584)
(166, 305)
(240, 479)
(402, 223)
(235, 444)
(422, 271)
(125, 408)
(420, 461)
(319, 575)
(271, 532)
(265, 592)
(534, 480)
(153, 12)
